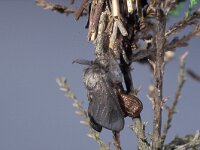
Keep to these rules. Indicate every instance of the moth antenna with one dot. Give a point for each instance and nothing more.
(83, 62)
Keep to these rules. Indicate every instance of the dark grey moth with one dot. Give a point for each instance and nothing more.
(104, 109)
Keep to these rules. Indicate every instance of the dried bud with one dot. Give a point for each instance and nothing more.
(168, 56)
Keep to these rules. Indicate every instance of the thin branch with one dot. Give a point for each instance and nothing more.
(193, 75)
(139, 130)
(169, 5)
(171, 109)
(62, 82)
(186, 21)
(116, 137)
(142, 55)
(187, 142)
(56, 7)
(95, 18)
(193, 143)
(80, 10)
(158, 75)
(183, 41)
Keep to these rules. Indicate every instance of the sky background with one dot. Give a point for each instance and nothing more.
(36, 47)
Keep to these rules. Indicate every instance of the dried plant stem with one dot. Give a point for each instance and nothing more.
(188, 142)
(183, 41)
(171, 110)
(79, 11)
(54, 7)
(158, 70)
(116, 138)
(185, 22)
(62, 82)
(96, 16)
(138, 128)
(193, 143)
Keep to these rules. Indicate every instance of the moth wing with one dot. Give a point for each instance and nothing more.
(104, 108)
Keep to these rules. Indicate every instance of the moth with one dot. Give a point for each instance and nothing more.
(104, 109)
(109, 104)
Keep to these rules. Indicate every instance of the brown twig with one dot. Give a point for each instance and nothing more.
(57, 7)
(96, 16)
(142, 54)
(171, 109)
(185, 22)
(183, 41)
(159, 66)
(54, 7)
(145, 54)
(169, 5)
(79, 11)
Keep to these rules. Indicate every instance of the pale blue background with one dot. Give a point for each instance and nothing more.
(36, 46)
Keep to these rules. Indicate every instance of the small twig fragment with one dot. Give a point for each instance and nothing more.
(96, 16)
(116, 138)
(139, 129)
(171, 109)
(121, 27)
(193, 75)
(185, 22)
(113, 36)
(193, 143)
(54, 7)
(183, 41)
(79, 11)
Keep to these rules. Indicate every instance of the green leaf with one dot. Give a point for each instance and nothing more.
(192, 5)
(177, 10)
